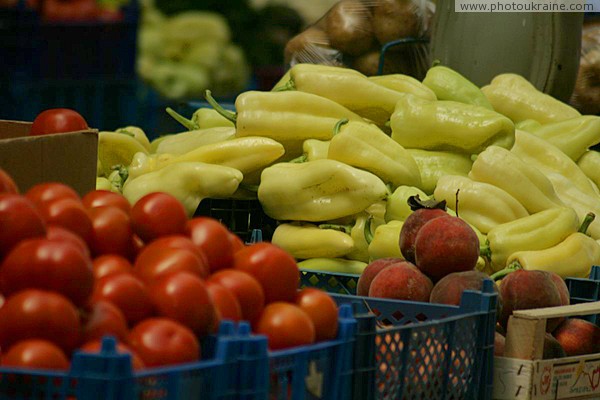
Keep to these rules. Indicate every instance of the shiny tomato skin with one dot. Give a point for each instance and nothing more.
(162, 341)
(274, 268)
(111, 231)
(19, 220)
(70, 214)
(100, 198)
(322, 310)
(95, 346)
(48, 265)
(126, 292)
(213, 238)
(57, 232)
(227, 305)
(236, 241)
(184, 298)
(34, 313)
(103, 318)
(7, 183)
(136, 245)
(109, 264)
(285, 325)
(49, 191)
(246, 289)
(180, 242)
(158, 214)
(155, 262)
(35, 354)
(57, 120)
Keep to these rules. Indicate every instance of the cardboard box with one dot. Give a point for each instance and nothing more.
(523, 375)
(68, 158)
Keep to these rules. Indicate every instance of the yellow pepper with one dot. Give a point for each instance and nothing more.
(549, 159)
(246, 154)
(189, 182)
(347, 87)
(117, 149)
(590, 165)
(573, 136)
(203, 118)
(573, 257)
(515, 97)
(448, 126)
(304, 240)
(103, 183)
(386, 241)
(356, 230)
(504, 169)
(320, 190)
(365, 146)
(448, 84)
(397, 208)
(137, 133)
(404, 84)
(315, 149)
(184, 142)
(335, 265)
(480, 204)
(538, 231)
(528, 125)
(435, 164)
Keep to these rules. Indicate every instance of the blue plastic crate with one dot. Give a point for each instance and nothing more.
(586, 291)
(108, 375)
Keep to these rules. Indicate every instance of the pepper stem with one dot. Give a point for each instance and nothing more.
(367, 230)
(512, 267)
(435, 63)
(485, 251)
(299, 160)
(343, 228)
(589, 218)
(187, 123)
(289, 85)
(338, 126)
(230, 115)
(125, 132)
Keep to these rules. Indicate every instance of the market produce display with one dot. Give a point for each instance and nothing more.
(73, 270)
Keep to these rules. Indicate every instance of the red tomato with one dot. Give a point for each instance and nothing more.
(57, 120)
(126, 292)
(19, 220)
(246, 289)
(70, 214)
(49, 265)
(183, 297)
(57, 232)
(7, 184)
(95, 346)
(135, 247)
(285, 325)
(39, 314)
(50, 191)
(212, 237)
(322, 310)
(99, 198)
(155, 262)
(236, 242)
(158, 214)
(180, 242)
(227, 305)
(273, 267)
(109, 264)
(71, 11)
(161, 341)
(35, 354)
(111, 231)
(103, 318)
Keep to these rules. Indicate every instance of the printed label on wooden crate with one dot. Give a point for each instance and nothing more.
(567, 378)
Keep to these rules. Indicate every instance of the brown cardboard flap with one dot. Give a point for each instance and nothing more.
(69, 158)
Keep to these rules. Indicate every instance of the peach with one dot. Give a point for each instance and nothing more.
(450, 288)
(369, 273)
(411, 227)
(401, 281)
(552, 348)
(578, 337)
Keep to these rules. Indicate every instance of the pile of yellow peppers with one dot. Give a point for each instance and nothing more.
(334, 156)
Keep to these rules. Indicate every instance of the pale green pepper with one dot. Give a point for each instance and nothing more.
(315, 149)
(184, 142)
(103, 183)
(303, 240)
(397, 208)
(448, 84)
(435, 164)
(386, 241)
(404, 84)
(356, 230)
(117, 149)
(202, 118)
(320, 190)
(590, 165)
(335, 265)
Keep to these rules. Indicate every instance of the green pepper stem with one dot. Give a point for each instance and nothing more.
(187, 123)
(125, 132)
(343, 228)
(338, 126)
(230, 115)
(512, 267)
(289, 85)
(299, 160)
(367, 230)
(248, 187)
(485, 251)
(589, 218)
(435, 63)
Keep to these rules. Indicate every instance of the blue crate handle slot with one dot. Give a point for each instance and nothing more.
(396, 43)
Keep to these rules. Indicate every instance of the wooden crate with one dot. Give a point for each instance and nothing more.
(522, 374)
